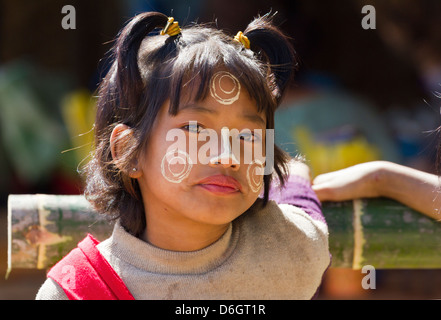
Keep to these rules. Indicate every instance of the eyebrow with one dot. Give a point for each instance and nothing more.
(248, 116)
(197, 108)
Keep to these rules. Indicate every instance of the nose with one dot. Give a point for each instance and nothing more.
(226, 158)
(226, 161)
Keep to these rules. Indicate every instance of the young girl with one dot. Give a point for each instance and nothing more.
(190, 222)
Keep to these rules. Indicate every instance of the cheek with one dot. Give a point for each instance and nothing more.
(167, 158)
(176, 166)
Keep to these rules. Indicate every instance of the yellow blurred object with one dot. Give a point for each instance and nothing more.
(325, 157)
(78, 109)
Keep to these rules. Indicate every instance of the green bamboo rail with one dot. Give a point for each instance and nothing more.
(378, 232)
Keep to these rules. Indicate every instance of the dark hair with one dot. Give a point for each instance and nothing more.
(148, 69)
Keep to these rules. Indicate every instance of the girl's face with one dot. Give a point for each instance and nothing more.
(197, 173)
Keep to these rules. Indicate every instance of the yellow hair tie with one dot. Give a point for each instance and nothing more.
(171, 28)
(242, 39)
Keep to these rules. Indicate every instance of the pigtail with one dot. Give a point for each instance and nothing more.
(120, 90)
(275, 49)
(128, 77)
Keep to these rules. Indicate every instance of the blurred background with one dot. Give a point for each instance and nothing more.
(359, 95)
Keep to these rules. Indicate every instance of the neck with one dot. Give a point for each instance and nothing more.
(180, 234)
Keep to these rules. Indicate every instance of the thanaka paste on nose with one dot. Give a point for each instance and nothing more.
(226, 153)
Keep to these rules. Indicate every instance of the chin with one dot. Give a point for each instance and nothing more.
(218, 216)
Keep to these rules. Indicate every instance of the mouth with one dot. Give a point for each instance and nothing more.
(220, 184)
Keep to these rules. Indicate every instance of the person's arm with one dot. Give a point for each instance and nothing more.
(416, 189)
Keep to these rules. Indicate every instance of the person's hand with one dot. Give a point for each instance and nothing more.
(359, 181)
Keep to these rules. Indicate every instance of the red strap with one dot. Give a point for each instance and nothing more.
(84, 274)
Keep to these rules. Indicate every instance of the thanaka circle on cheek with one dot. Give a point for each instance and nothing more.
(225, 88)
(176, 166)
(254, 175)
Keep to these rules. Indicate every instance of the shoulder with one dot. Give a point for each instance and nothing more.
(286, 236)
(84, 274)
(295, 217)
(285, 218)
(50, 290)
(288, 228)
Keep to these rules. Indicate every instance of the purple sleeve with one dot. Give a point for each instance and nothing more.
(298, 192)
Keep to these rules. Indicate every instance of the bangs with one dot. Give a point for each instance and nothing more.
(197, 58)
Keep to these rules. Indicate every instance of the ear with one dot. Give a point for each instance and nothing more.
(119, 142)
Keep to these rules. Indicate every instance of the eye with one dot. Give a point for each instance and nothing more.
(193, 127)
(249, 137)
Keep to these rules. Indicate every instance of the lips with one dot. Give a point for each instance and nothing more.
(220, 184)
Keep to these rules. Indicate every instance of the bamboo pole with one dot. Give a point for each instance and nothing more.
(378, 232)
(43, 228)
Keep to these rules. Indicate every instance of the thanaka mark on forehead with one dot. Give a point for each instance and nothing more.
(219, 87)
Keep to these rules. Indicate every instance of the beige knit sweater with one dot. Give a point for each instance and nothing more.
(278, 252)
